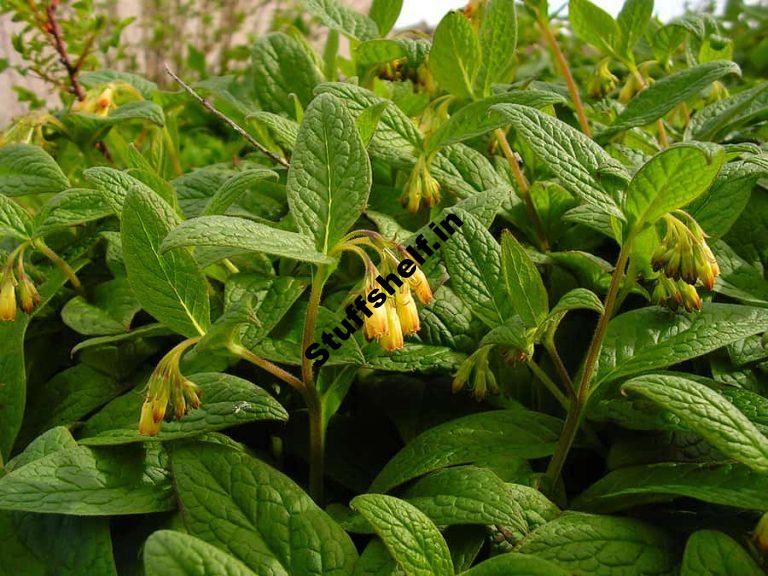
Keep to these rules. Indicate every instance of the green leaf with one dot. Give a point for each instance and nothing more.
(525, 287)
(87, 124)
(413, 358)
(385, 13)
(330, 174)
(715, 120)
(91, 482)
(467, 495)
(103, 77)
(376, 561)
(411, 538)
(633, 20)
(168, 285)
(726, 484)
(282, 67)
(231, 191)
(668, 181)
(14, 220)
(110, 311)
(283, 129)
(712, 553)
(53, 440)
(345, 20)
(498, 40)
(227, 401)
(169, 553)
(603, 546)
(242, 234)
(252, 511)
(146, 331)
(470, 439)
(708, 414)
(595, 26)
(114, 185)
(455, 56)
(651, 338)
(513, 564)
(72, 208)
(719, 207)
(473, 259)
(666, 93)
(580, 164)
(368, 120)
(27, 169)
(477, 118)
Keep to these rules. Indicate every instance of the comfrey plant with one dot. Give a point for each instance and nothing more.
(486, 301)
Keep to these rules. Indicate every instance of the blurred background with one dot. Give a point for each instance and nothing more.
(202, 38)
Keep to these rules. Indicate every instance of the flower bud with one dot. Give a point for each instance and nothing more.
(602, 81)
(462, 374)
(192, 393)
(7, 298)
(393, 339)
(761, 535)
(420, 286)
(407, 311)
(691, 298)
(28, 295)
(147, 424)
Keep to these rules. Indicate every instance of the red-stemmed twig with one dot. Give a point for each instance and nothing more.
(53, 28)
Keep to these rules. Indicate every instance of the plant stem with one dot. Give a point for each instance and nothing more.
(60, 263)
(232, 124)
(562, 371)
(548, 383)
(573, 419)
(54, 29)
(264, 364)
(565, 70)
(311, 396)
(524, 188)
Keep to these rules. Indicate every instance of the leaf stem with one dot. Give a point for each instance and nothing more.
(573, 419)
(40, 245)
(549, 384)
(232, 124)
(264, 364)
(524, 188)
(565, 70)
(562, 371)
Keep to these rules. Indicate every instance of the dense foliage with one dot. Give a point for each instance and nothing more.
(486, 301)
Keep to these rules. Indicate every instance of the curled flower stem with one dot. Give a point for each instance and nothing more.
(60, 263)
(549, 384)
(562, 371)
(264, 364)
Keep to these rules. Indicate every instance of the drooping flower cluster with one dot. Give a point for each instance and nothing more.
(169, 393)
(602, 82)
(475, 372)
(421, 187)
(13, 285)
(683, 259)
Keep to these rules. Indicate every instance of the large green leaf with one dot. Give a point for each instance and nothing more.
(91, 482)
(727, 484)
(661, 97)
(708, 414)
(249, 509)
(281, 67)
(513, 433)
(467, 495)
(242, 234)
(455, 56)
(330, 174)
(514, 564)
(719, 117)
(473, 259)
(14, 220)
(595, 26)
(633, 20)
(581, 165)
(345, 20)
(498, 40)
(669, 181)
(712, 553)
(114, 185)
(376, 561)
(525, 288)
(652, 338)
(71, 208)
(227, 401)
(170, 553)
(168, 285)
(27, 169)
(603, 546)
(231, 191)
(411, 538)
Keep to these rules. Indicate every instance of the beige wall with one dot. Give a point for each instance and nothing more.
(259, 12)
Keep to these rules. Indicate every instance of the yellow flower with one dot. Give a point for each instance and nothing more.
(407, 311)
(147, 424)
(28, 295)
(393, 339)
(7, 298)
(420, 286)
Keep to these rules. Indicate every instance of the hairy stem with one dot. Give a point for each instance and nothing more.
(565, 70)
(562, 371)
(231, 123)
(524, 188)
(60, 263)
(573, 419)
